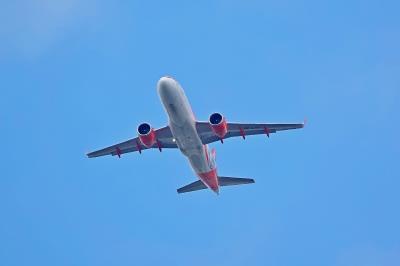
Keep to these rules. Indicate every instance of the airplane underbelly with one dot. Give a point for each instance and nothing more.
(183, 125)
(191, 146)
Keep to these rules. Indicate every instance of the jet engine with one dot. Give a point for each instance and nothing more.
(147, 135)
(218, 125)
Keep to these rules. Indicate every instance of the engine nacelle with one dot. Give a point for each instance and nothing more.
(218, 125)
(147, 135)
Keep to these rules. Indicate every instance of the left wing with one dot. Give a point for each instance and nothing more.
(242, 130)
(164, 137)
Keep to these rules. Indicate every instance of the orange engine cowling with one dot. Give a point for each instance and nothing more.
(147, 135)
(218, 125)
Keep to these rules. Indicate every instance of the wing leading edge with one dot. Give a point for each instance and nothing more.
(164, 137)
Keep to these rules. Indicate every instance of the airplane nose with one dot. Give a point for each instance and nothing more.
(166, 85)
(165, 82)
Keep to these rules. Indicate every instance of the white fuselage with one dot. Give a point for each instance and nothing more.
(183, 125)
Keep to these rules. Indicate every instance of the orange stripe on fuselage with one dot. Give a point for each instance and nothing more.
(210, 179)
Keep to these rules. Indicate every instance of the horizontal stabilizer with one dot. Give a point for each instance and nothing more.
(232, 181)
(198, 185)
(222, 180)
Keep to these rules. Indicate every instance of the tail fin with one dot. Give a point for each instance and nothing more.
(222, 180)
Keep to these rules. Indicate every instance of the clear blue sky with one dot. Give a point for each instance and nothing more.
(80, 75)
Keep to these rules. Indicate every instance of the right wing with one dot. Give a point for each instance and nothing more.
(164, 137)
(242, 129)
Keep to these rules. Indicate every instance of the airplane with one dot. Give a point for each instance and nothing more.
(191, 137)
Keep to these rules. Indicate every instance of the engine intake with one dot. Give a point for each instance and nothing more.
(218, 125)
(147, 135)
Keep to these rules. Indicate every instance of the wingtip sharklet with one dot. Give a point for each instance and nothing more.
(305, 122)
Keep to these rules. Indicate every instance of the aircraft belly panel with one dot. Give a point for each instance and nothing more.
(191, 146)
